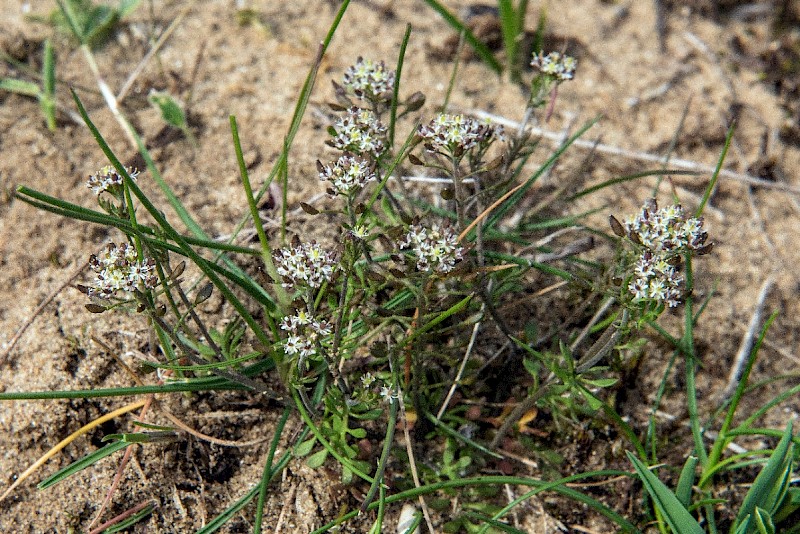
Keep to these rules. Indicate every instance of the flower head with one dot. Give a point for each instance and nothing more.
(663, 235)
(666, 229)
(360, 132)
(369, 80)
(117, 268)
(348, 175)
(108, 179)
(436, 249)
(656, 279)
(555, 65)
(458, 134)
(304, 334)
(306, 264)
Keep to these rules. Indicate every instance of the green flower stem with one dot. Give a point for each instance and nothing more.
(388, 441)
(266, 251)
(688, 349)
(268, 471)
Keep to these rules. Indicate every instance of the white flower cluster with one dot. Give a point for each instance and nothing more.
(663, 233)
(656, 279)
(360, 132)
(307, 264)
(348, 175)
(456, 134)
(107, 179)
(369, 80)
(435, 248)
(665, 229)
(560, 67)
(118, 268)
(303, 332)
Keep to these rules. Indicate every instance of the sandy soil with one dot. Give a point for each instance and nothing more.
(715, 67)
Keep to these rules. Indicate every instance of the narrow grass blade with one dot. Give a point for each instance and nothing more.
(268, 473)
(628, 178)
(125, 524)
(683, 491)
(512, 24)
(772, 483)
(83, 463)
(677, 516)
(48, 98)
(722, 440)
(480, 48)
(66, 441)
(715, 176)
(518, 194)
(219, 521)
(21, 87)
(398, 73)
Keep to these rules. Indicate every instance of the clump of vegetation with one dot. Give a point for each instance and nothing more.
(374, 328)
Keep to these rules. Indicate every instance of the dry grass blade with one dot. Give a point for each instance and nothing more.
(69, 439)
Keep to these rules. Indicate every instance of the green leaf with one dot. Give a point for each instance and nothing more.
(600, 382)
(47, 100)
(771, 484)
(171, 111)
(126, 7)
(683, 491)
(122, 526)
(677, 516)
(763, 522)
(357, 433)
(82, 464)
(744, 526)
(594, 403)
(21, 87)
(317, 459)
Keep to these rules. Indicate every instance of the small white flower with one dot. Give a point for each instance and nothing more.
(435, 248)
(360, 132)
(307, 264)
(367, 380)
(560, 67)
(388, 394)
(107, 179)
(456, 133)
(348, 175)
(117, 268)
(369, 80)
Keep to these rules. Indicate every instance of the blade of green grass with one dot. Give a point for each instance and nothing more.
(480, 48)
(398, 73)
(772, 482)
(677, 516)
(82, 463)
(717, 169)
(48, 98)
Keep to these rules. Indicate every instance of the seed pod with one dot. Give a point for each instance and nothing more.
(705, 249)
(308, 208)
(204, 294)
(616, 226)
(415, 160)
(415, 101)
(178, 270)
